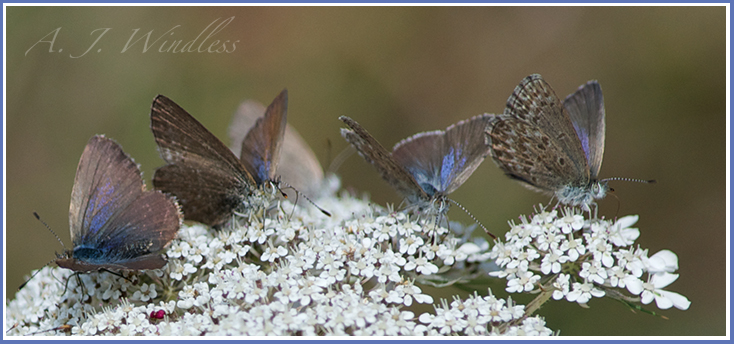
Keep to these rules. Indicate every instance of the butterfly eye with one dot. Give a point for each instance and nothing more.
(599, 189)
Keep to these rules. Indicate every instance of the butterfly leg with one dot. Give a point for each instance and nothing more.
(555, 206)
(78, 281)
(448, 224)
(116, 274)
(294, 207)
(433, 233)
(596, 210)
(66, 286)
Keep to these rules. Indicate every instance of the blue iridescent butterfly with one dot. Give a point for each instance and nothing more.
(426, 167)
(115, 223)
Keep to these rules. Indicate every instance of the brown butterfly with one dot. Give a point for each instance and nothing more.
(552, 146)
(208, 180)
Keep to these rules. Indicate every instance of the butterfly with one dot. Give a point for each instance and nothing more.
(115, 223)
(553, 147)
(298, 164)
(208, 180)
(426, 167)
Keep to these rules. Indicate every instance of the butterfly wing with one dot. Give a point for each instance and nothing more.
(113, 216)
(441, 161)
(106, 182)
(586, 109)
(421, 155)
(260, 152)
(390, 170)
(208, 181)
(136, 236)
(242, 121)
(534, 140)
(298, 164)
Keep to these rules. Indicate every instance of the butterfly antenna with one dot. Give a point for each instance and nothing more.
(45, 265)
(340, 158)
(49, 229)
(34, 275)
(308, 199)
(644, 181)
(473, 218)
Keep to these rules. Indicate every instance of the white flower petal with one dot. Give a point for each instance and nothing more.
(662, 302)
(469, 248)
(627, 221)
(647, 297)
(662, 280)
(679, 301)
(663, 261)
(634, 284)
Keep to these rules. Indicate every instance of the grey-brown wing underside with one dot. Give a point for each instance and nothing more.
(208, 181)
(390, 170)
(535, 142)
(260, 151)
(586, 109)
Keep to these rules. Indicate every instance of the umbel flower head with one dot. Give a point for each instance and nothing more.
(359, 272)
(578, 259)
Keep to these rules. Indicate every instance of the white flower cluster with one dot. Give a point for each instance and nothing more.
(578, 259)
(358, 272)
(471, 317)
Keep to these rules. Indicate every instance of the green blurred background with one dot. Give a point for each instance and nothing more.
(398, 71)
